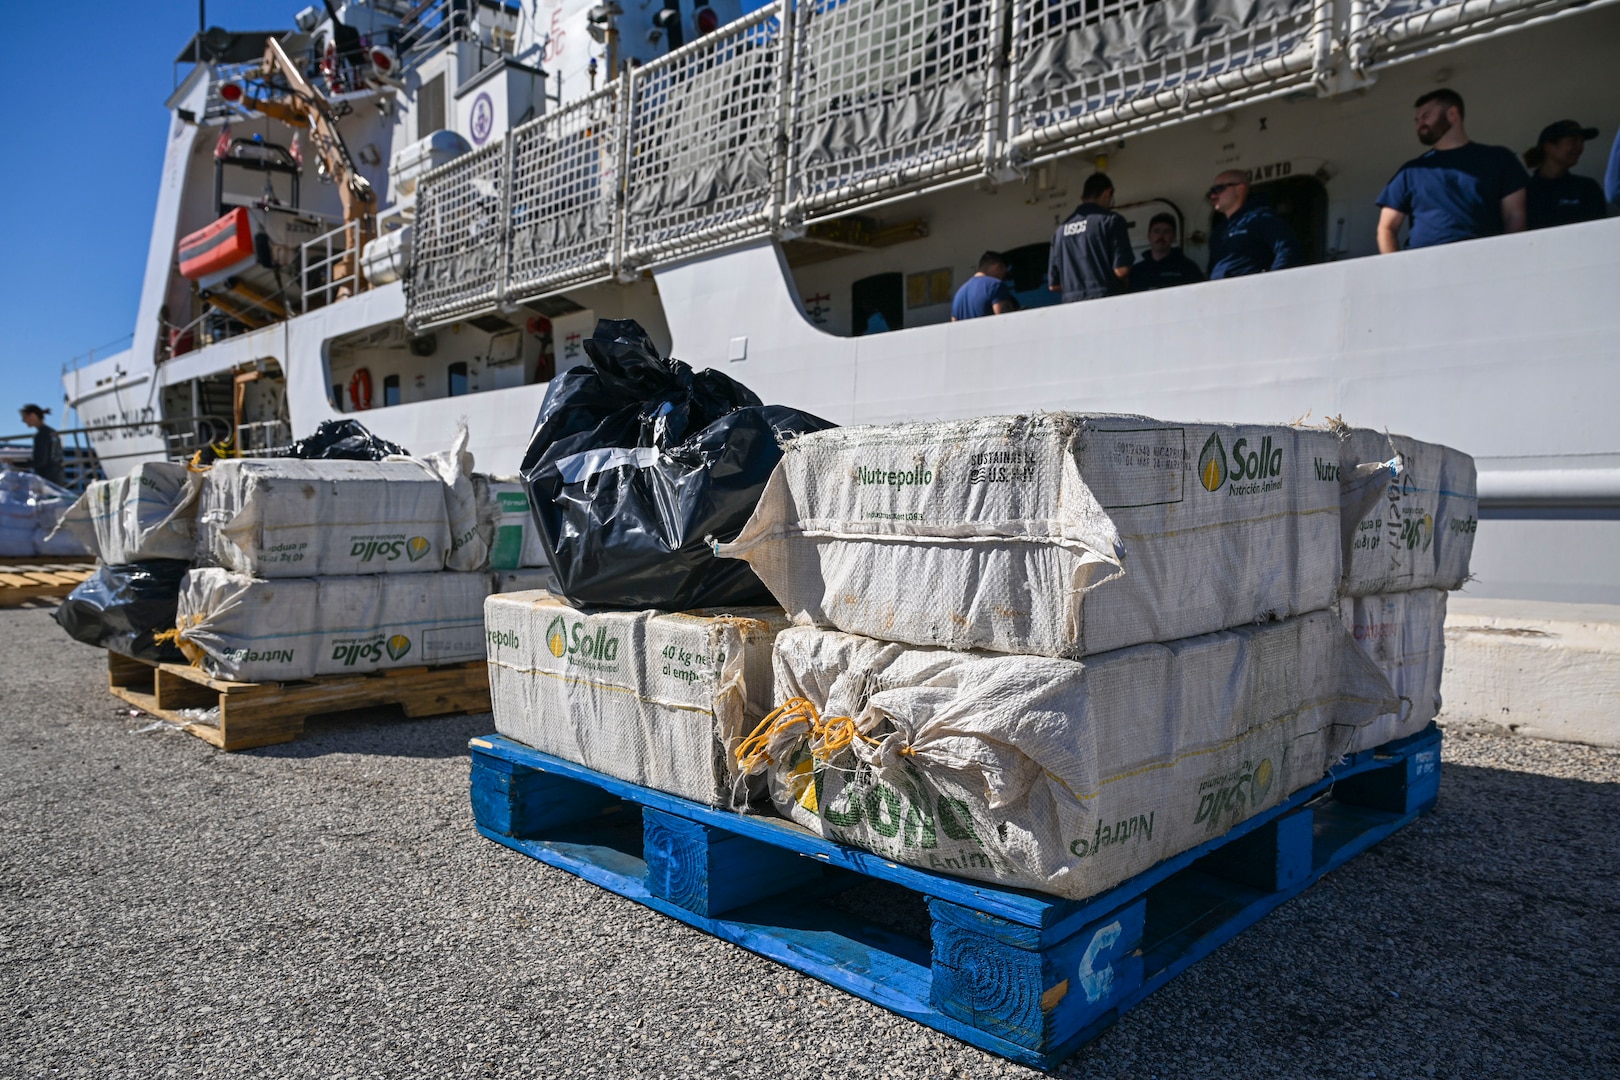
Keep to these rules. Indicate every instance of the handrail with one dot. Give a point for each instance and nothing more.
(840, 66)
(178, 442)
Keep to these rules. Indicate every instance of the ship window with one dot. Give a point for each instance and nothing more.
(391, 390)
(878, 303)
(458, 379)
(430, 107)
(337, 396)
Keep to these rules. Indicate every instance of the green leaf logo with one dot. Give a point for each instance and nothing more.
(416, 547)
(557, 637)
(398, 646)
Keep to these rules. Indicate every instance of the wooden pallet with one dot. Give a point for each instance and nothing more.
(36, 578)
(1026, 976)
(262, 714)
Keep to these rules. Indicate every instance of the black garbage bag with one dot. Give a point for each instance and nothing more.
(342, 440)
(123, 607)
(635, 460)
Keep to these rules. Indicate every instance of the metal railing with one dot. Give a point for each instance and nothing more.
(808, 109)
(181, 436)
(319, 278)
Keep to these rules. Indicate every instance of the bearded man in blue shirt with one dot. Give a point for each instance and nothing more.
(1459, 190)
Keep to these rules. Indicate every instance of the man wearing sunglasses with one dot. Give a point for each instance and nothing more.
(1255, 239)
(1458, 190)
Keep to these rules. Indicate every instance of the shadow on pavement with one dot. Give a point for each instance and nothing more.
(382, 732)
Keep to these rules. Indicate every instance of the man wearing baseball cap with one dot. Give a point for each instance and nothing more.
(1555, 196)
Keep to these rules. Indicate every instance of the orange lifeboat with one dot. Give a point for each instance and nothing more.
(225, 245)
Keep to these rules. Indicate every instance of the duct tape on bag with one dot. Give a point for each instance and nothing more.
(1064, 776)
(1410, 510)
(1405, 635)
(1058, 534)
(661, 700)
(254, 630)
(289, 518)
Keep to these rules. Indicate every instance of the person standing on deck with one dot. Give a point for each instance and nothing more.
(1255, 239)
(1091, 251)
(986, 292)
(1556, 196)
(1459, 190)
(47, 445)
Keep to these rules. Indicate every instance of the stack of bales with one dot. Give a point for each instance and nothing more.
(1410, 510)
(30, 508)
(660, 699)
(305, 568)
(1051, 651)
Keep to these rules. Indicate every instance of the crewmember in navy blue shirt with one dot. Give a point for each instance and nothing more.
(1091, 251)
(987, 292)
(1556, 196)
(1255, 239)
(1459, 190)
(1163, 264)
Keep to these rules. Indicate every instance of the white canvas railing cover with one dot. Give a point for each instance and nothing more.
(819, 107)
(1086, 65)
(703, 127)
(888, 94)
(564, 196)
(460, 231)
(1384, 31)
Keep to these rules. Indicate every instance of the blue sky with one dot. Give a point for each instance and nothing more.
(86, 84)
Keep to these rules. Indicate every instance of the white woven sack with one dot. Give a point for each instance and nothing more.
(657, 699)
(511, 532)
(1059, 534)
(284, 518)
(1405, 634)
(1409, 512)
(469, 541)
(1063, 776)
(148, 513)
(254, 630)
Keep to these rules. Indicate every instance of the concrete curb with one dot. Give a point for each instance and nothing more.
(1546, 670)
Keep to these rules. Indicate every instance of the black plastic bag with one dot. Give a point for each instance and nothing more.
(342, 440)
(122, 607)
(635, 460)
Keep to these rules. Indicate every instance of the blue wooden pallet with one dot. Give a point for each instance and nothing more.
(1023, 975)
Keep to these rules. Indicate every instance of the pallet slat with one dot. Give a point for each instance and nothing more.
(264, 714)
(1026, 976)
(26, 579)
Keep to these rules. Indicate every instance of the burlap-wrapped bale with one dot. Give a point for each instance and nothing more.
(254, 630)
(1058, 775)
(148, 513)
(1058, 534)
(281, 518)
(1405, 634)
(1409, 512)
(657, 699)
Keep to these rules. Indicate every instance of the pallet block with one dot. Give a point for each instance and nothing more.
(263, 714)
(22, 580)
(1026, 976)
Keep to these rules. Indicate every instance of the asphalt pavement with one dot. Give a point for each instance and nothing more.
(325, 909)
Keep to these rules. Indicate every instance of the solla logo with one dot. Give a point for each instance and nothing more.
(366, 548)
(577, 643)
(1263, 464)
(350, 653)
(1417, 531)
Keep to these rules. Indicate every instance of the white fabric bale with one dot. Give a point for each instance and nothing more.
(1405, 634)
(254, 630)
(658, 699)
(285, 518)
(148, 513)
(513, 536)
(1409, 513)
(1058, 534)
(1060, 775)
(469, 544)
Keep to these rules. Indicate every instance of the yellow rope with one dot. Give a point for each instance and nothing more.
(827, 735)
(172, 637)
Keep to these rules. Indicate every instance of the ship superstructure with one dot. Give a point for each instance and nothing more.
(771, 192)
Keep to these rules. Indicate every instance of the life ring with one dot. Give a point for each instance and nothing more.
(360, 389)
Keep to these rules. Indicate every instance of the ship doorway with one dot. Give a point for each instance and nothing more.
(877, 303)
(1029, 265)
(1302, 201)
